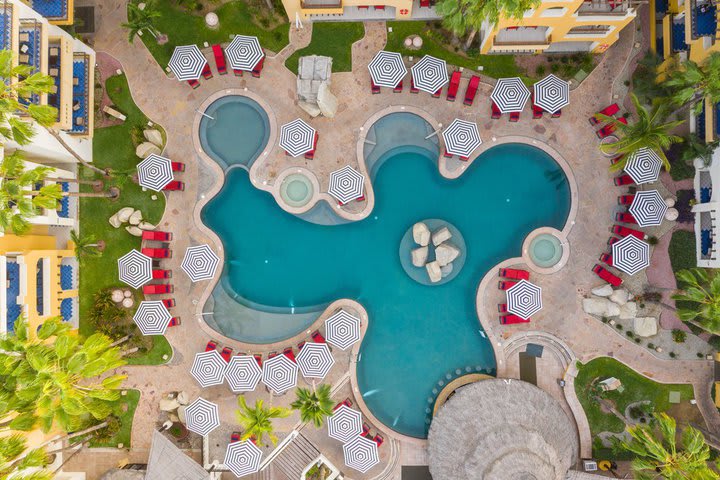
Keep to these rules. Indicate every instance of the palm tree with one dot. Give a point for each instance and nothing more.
(691, 84)
(314, 405)
(700, 297)
(658, 454)
(19, 463)
(141, 19)
(649, 131)
(86, 246)
(257, 420)
(53, 379)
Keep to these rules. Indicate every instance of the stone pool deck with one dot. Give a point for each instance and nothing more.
(174, 105)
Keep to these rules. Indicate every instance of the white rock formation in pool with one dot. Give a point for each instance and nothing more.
(434, 271)
(441, 235)
(445, 253)
(421, 234)
(419, 256)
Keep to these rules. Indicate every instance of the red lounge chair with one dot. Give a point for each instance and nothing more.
(157, 289)
(177, 166)
(504, 285)
(623, 180)
(258, 68)
(347, 402)
(258, 359)
(413, 89)
(160, 273)
(168, 302)
(446, 154)
(272, 355)
(378, 439)
(610, 278)
(374, 88)
(612, 240)
(365, 430)
(537, 112)
(226, 353)
(317, 338)
(363, 7)
(398, 88)
(471, 90)
(311, 154)
(156, 235)
(454, 85)
(379, 7)
(207, 73)
(615, 160)
(301, 344)
(193, 83)
(557, 114)
(175, 186)
(625, 199)
(610, 128)
(234, 437)
(496, 113)
(238, 73)
(219, 59)
(157, 252)
(514, 273)
(609, 111)
(625, 218)
(514, 116)
(625, 231)
(502, 307)
(512, 320)
(425, 3)
(211, 345)
(606, 258)
(288, 352)
(438, 93)
(174, 322)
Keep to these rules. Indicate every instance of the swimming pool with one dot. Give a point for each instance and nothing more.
(418, 335)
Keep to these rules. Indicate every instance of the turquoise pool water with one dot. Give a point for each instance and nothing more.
(418, 335)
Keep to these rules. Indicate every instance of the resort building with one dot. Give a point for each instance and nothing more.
(556, 26)
(706, 209)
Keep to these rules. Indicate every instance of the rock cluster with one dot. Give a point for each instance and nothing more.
(133, 218)
(607, 302)
(153, 143)
(175, 406)
(123, 297)
(444, 251)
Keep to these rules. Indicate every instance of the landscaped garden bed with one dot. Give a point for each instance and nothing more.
(331, 39)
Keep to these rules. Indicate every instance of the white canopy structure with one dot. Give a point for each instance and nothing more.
(155, 172)
(361, 454)
(202, 416)
(429, 74)
(244, 52)
(346, 184)
(152, 317)
(342, 329)
(208, 368)
(461, 138)
(551, 94)
(631, 255)
(648, 208)
(243, 373)
(200, 263)
(524, 299)
(387, 69)
(280, 374)
(510, 95)
(135, 269)
(644, 166)
(297, 138)
(187, 62)
(344, 424)
(315, 360)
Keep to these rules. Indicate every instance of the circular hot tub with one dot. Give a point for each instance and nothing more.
(545, 250)
(296, 189)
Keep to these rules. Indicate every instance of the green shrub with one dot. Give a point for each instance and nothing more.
(679, 336)
(540, 70)
(672, 354)
(630, 334)
(618, 326)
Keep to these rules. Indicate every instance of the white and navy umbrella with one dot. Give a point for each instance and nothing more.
(297, 138)
(202, 416)
(315, 360)
(644, 166)
(344, 424)
(461, 138)
(524, 299)
(244, 52)
(631, 255)
(187, 62)
(200, 262)
(342, 329)
(135, 269)
(152, 317)
(387, 69)
(243, 373)
(346, 184)
(429, 74)
(155, 172)
(510, 95)
(551, 93)
(208, 368)
(648, 208)
(361, 454)
(243, 458)
(280, 374)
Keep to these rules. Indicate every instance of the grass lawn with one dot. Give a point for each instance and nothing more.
(495, 66)
(125, 410)
(331, 39)
(236, 17)
(113, 147)
(682, 250)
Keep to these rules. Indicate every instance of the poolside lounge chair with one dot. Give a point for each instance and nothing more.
(258, 68)
(272, 355)
(157, 289)
(625, 217)
(258, 359)
(174, 322)
(625, 231)
(311, 154)
(606, 258)
(160, 273)
(610, 128)
(471, 90)
(425, 3)
(219, 59)
(211, 345)
(502, 307)
(301, 345)
(557, 114)
(609, 111)
(616, 159)
(363, 7)
(504, 284)
(446, 154)
(317, 337)
(175, 186)
(495, 111)
(234, 437)
(625, 199)
(347, 402)
(623, 180)
(238, 73)
(398, 88)
(177, 166)
(365, 430)
(374, 88)
(454, 85)
(193, 83)
(226, 353)
(378, 439)
(612, 240)
(168, 302)
(288, 352)
(413, 88)
(537, 112)
(156, 235)
(438, 93)
(207, 73)
(514, 116)
(512, 319)
(606, 275)
(157, 252)
(514, 273)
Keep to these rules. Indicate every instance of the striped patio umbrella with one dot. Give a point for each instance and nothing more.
(429, 74)
(135, 269)
(152, 317)
(187, 62)
(244, 52)
(644, 166)
(510, 95)
(631, 255)
(280, 374)
(155, 172)
(346, 184)
(202, 416)
(551, 93)
(342, 329)
(648, 208)
(461, 138)
(297, 138)
(243, 458)
(344, 424)
(243, 373)
(315, 360)
(361, 454)
(387, 69)
(200, 262)
(524, 299)
(208, 368)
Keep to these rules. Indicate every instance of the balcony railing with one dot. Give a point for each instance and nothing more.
(81, 88)
(54, 69)
(310, 4)
(703, 18)
(522, 36)
(604, 8)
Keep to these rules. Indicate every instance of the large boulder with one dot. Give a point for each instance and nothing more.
(601, 307)
(134, 231)
(445, 253)
(628, 311)
(419, 256)
(169, 404)
(441, 235)
(117, 296)
(645, 326)
(421, 234)
(181, 413)
(146, 226)
(620, 296)
(183, 398)
(114, 221)
(153, 136)
(604, 291)
(434, 271)
(123, 214)
(146, 149)
(446, 270)
(135, 218)
(327, 103)
(310, 108)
